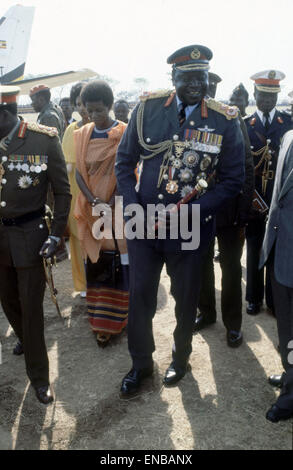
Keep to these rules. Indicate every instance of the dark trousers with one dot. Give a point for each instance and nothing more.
(22, 294)
(283, 301)
(256, 288)
(146, 263)
(230, 241)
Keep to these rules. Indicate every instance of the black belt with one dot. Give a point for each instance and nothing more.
(23, 218)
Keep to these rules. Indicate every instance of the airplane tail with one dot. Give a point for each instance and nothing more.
(15, 31)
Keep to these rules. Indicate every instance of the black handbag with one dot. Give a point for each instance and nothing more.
(107, 268)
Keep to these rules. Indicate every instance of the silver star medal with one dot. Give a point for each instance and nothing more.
(186, 175)
(186, 190)
(25, 182)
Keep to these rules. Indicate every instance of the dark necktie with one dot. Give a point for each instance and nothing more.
(267, 121)
(181, 114)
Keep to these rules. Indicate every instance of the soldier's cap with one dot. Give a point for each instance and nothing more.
(268, 80)
(214, 78)
(191, 58)
(8, 94)
(37, 88)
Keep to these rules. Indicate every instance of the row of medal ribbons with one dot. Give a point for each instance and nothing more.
(28, 163)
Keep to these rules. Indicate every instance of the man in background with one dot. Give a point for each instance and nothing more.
(66, 106)
(50, 114)
(230, 230)
(277, 253)
(265, 128)
(121, 111)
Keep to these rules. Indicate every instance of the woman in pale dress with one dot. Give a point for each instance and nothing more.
(96, 147)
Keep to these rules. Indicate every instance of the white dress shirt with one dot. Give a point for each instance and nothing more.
(263, 119)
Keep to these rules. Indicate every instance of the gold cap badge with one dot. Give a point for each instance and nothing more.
(195, 54)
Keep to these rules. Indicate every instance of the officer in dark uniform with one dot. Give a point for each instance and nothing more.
(50, 115)
(30, 159)
(230, 231)
(179, 138)
(266, 128)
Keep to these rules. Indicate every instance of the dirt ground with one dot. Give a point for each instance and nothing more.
(220, 404)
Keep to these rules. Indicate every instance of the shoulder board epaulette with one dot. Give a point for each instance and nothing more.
(251, 120)
(286, 114)
(50, 131)
(156, 95)
(230, 112)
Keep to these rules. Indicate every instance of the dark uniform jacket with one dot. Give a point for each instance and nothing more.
(210, 140)
(258, 138)
(32, 160)
(237, 210)
(52, 116)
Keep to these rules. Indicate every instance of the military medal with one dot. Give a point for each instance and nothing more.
(191, 159)
(25, 182)
(38, 169)
(177, 163)
(186, 190)
(179, 149)
(205, 163)
(186, 175)
(172, 187)
(25, 167)
(44, 167)
(32, 168)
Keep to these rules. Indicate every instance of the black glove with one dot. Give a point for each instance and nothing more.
(49, 248)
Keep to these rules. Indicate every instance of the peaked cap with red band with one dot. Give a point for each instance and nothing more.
(268, 81)
(191, 58)
(8, 94)
(36, 89)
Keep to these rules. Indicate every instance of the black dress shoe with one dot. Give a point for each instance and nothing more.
(253, 309)
(18, 350)
(132, 381)
(276, 414)
(44, 395)
(173, 375)
(276, 381)
(234, 339)
(201, 322)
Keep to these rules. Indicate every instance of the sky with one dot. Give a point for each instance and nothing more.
(133, 38)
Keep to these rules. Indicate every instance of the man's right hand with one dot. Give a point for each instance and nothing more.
(49, 248)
